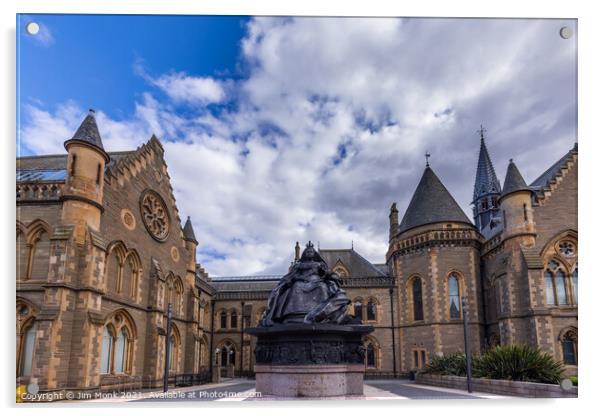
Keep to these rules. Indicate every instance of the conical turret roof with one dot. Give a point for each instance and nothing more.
(431, 203)
(486, 181)
(514, 180)
(88, 133)
(189, 232)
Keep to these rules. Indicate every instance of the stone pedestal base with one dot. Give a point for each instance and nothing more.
(310, 380)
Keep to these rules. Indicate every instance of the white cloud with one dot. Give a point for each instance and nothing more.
(183, 88)
(331, 125)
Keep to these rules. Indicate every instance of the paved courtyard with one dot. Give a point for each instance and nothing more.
(243, 389)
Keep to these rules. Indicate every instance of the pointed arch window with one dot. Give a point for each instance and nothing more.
(117, 340)
(370, 356)
(223, 320)
(107, 351)
(233, 320)
(371, 310)
(227, 355)
(454, 296)
(568, 342)
(417, 299)
(27, 345)
(574, 283)
(555, 280)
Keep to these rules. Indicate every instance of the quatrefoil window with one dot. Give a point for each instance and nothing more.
(154, 215)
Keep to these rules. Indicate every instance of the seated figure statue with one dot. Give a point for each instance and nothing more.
(308, 293)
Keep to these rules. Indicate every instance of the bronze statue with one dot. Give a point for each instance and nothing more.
(309, 293)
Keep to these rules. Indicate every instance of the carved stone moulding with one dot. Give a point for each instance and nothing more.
(302, 344)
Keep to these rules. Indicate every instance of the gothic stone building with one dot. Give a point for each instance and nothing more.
(101, 253)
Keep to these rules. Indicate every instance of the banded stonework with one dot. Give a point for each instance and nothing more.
(88, 254)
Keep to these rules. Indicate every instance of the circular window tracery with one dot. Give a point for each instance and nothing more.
(566, 248)
(154, 215)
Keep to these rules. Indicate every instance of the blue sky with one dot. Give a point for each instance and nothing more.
(279, 130)
(90, 58)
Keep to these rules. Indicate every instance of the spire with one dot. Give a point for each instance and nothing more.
(514, 180)
(189, 232)
(486, 181)
(88, 133)
(431, 203)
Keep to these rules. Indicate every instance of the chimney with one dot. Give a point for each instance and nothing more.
(297, 252)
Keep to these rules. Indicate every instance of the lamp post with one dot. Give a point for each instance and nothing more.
(467, 344)
(167, 349)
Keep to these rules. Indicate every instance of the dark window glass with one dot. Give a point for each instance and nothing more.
(560, 288)
(223, 320)
(371, 313)
(575, 289)
(224, 357)
(422, 358)
(370, 356)
(415, 358)
(417, 298)
(233, 320)
(568, 351)
(454, 297)
(549, 288)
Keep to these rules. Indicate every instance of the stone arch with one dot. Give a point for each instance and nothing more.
(341, 270)
(227, 353)
(116, 254)
(372, 353)
(373, 309)
(234, 318)
(38, 243)
(567, 234)
(176, 349)
(415, 297)
(132, 271)
(567, 338)
(118, 340)
(454, 290)
(26, 327)
(22, 252)
(358, 307)
(222, 319)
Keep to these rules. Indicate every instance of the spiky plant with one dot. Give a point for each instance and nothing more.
(520, 363)
(449, 364)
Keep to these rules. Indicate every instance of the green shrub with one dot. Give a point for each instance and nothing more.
(449, 364)
(573, 379)
(520, 363)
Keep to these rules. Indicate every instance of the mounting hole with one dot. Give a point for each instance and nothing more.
(32, 28)
(566, 32)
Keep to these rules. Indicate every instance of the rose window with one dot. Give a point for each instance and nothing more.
(566, 249)
(154, 215)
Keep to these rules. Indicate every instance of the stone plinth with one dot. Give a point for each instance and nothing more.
(310, 360)
(310, 380)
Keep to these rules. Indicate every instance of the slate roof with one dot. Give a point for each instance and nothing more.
(514, 180)
(189, 231)
(352, 260)
(543, 180)
(53, 167)
(486, 181)
(431, 203)
(88, 132)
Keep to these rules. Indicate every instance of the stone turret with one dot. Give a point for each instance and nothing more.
(393, 221)
(517, 206)
(83, 193)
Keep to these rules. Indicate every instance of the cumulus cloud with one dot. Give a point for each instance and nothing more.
(331, 123)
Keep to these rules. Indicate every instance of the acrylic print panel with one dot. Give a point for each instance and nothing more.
(258, 208)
